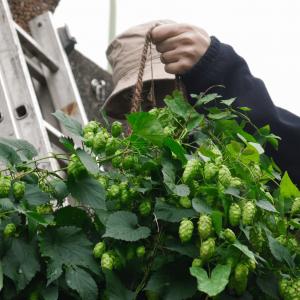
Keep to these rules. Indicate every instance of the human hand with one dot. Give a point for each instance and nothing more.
(181, 46)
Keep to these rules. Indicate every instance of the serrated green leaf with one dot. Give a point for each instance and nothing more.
(39, 219)
(88, 161)
(68, 143)
(88, 191)
(8, 155)
(123, 225)
(180, 107)
(221, 115)
(172, 282)
(34, 196)
(206, 99)
(176, 148)
(82, 282)
(258, 147)
(72, 125)
(287, 188)
(115, 289)
(24, 149)
(181, 190)
(244, 249)
(269, 285)
(21, 263)
(228, 102)
(50, 292)
(280, 252)
(169, 213)
(60, 189)
(168, 171)
(184, 249)
(214, 284)
(66, 246)
(146, 126)
(201, 207)
(266, 205)
(194, 122)
(6, 204)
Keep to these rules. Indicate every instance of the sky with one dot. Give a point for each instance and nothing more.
(266, 33)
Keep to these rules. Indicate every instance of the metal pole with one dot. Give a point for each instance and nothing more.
(112, 22)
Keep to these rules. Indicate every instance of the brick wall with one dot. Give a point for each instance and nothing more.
(25, 10)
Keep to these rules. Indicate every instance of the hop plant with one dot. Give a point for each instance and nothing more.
(290, 289)
(91, 126)
(185, 230)
(207, 249)
(140, 251)
(296, 206)
(18, 190)
(113, 191)
(210, 170)
(224, 176)
(257, 239)
(229, 235)
(234, 214)
(107, 261)
(116, 128)
(5, 184)
(9, 230)
(197, 262)
(241, 272)
(185, 202)
(145, 208)
(100, 140)
(205, 227)
(88, 139)
(112, 145)
(75, 167)
(248, 213)
(192, 170)
(99, 249)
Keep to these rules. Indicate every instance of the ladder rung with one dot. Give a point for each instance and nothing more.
(35, 70)
(35, 49)
(52, 129)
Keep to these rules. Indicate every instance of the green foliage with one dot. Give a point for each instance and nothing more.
(187, 206)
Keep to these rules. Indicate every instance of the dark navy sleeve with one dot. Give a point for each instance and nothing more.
(222, 66)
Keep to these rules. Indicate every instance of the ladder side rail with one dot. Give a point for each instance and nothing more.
(61, 84)
(19, 87)
(35, 49)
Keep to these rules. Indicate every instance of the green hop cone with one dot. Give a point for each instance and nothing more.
(107, 261)
(129, 162)
(113, 191)
(185, 230)
(185, 202)
(130, 253)
(197, 262)
(257, 239)
(99, 249)
(234, 214)
(103, 181)
(205, 227)
(44, 209)
(125, 196)
(224, 176)
(145, 208)
(5, 184)
(9, 230)
(116, 128)
(283, 286)
(140, 251)
(248, 213)
(117, 160)
(192, 170)
(100, 140)
(229, 235)
(210, 170)
(75, 168)
(18, 190)
(91, 126)
(251, 264)
(235, 182)
(241, 272)
(112, 145)
(88, 139)
(296, 206)
(207, 249)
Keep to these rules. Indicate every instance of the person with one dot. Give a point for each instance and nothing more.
(203, 62)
